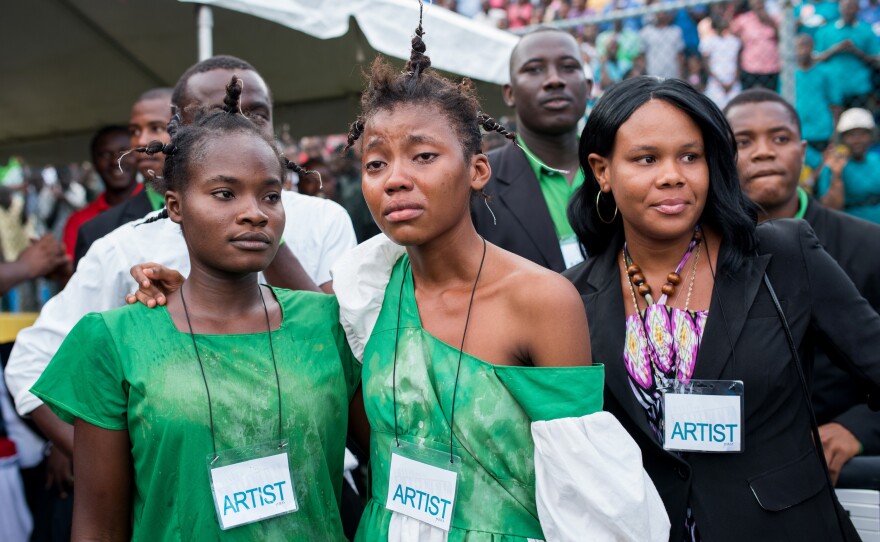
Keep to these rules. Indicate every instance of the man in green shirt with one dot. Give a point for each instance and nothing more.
(533, 181)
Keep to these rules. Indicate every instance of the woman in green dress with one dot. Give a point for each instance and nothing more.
(483, 406)
(223, 415)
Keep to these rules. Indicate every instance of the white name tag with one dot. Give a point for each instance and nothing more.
(421, 491)
(571, 251)
(704, 421)
(253, 490)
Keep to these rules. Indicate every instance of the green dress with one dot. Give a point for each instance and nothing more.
(494, 408)
(131, 369)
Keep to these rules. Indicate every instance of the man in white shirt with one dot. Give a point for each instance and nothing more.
(318, 231)
(663, 47)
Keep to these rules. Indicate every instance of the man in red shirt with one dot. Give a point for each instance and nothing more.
(120, 183)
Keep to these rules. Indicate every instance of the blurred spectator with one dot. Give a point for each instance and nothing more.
(687, 19)
(630, 23)
(818, 98)
(491, 16)
(759, 33)
(579, 9)
(41, 259)
(589, 51)
(345, 168)
(16, 225)
(811, 15)
(869, 12)
(628, 46)
(849, 48)
(321, 183)
(721, 52)
(519, 14)
(612, 68)
(556, 10)
(851, 178)
(12, 174)
(723, 10)
(117, 174)
(695, 72)
(663, 47)
(61, 195)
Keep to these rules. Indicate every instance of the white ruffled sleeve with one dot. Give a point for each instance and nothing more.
(590, 483)
(359, 280)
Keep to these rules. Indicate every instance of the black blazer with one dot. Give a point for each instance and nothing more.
(855, 245)
(138, 206)
(776, 489)
(524, 224)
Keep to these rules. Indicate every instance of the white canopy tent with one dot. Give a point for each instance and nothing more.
(71, 66)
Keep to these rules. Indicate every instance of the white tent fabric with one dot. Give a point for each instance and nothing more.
(72, 66)
(461, 46)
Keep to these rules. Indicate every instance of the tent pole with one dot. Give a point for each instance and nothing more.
(206, 39)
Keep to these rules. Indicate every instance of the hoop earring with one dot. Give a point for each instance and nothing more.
(599, 213)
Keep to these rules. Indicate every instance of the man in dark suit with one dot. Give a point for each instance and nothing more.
(527, 193)
(150, 115)
(770, 159)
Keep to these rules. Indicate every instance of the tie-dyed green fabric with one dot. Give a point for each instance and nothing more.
(496, 486)
(130, 368)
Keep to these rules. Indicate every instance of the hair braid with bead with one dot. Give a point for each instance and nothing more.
(387, 88)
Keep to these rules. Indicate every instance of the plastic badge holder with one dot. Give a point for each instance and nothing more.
(704, 416)
(423, 483)
(252, 483)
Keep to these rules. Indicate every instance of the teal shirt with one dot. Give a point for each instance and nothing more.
(861, 186)
(853, 75)
(829, 11)
(816, 92)
(557, 192)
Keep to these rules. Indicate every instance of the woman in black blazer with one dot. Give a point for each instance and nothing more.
(662, 215)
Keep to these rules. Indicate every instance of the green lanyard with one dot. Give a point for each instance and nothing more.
(803, 201)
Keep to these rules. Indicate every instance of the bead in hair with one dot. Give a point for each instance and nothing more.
(232, 100)
(418, 60)
(354, 132)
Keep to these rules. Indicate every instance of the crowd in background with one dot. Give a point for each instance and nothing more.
(719, 48)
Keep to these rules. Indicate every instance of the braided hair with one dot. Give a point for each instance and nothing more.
(418, 84)
(188, 142)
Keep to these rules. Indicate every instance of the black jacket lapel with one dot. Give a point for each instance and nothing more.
(601, 288)
(732, 297)
(520, 192)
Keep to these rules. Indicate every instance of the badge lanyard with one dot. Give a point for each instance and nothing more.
(248, 483)
(697, 415)
(423, 481)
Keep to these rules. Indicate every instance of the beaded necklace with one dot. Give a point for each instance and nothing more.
(639, 283)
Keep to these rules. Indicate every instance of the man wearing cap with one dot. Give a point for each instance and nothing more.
(850, 180)
(533, 181)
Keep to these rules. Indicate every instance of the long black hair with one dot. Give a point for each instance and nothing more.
(728, 211)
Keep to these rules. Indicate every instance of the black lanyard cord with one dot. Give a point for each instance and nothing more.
(460, 352)
(205, 380)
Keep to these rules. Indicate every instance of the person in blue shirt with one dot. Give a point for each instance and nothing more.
(819, 96)
(812, 15)
(849, 49)
(852, 182)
